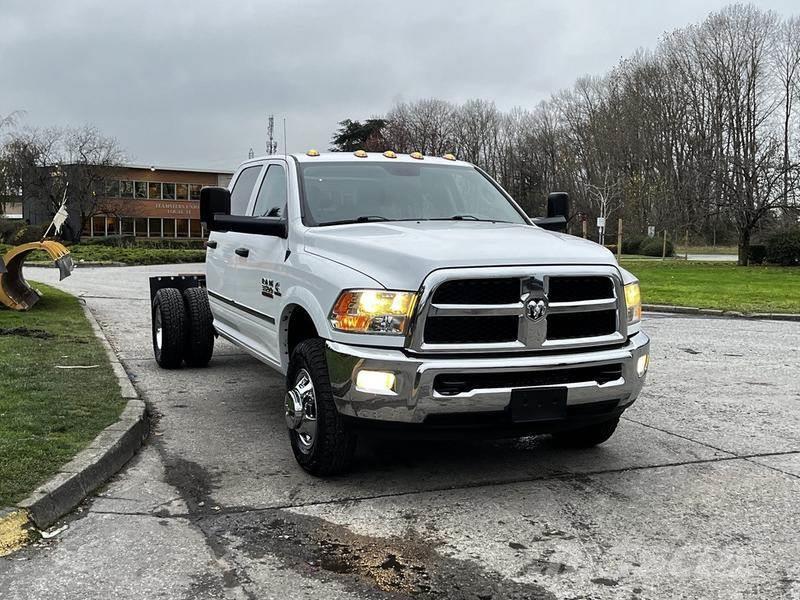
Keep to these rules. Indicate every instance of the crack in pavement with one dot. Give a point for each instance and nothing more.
(465, 486)
(748, 458)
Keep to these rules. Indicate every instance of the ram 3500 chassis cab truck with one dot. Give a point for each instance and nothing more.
(407, 293)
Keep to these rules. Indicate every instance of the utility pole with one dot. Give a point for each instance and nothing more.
(272, 145)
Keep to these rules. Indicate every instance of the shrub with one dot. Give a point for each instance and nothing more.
(631, 245)
(654, 247)
(611, 248)
(129, 241)
(119, 241)
(9, 228)
(758, 253)
(29, 233)
(783, 247)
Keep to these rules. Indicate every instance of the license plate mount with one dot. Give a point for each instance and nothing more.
(529, 405)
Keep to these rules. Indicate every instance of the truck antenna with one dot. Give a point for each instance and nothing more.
(284, 138)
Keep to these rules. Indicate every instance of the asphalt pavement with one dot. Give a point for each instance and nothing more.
(695, 496)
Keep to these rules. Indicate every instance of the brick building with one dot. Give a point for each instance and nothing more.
(145, 201)
(153, 202)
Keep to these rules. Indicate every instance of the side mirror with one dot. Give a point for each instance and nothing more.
(214, 201)
(557, 212)
(558, 205)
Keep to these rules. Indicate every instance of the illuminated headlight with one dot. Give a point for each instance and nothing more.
(633, 300)
(379, 382)
(642, 364)
(373, 311)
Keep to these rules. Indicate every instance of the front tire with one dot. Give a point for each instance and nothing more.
(586, 437)
(169, 328)
(321, 442)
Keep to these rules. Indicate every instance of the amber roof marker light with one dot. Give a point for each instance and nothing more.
(417, 155)
(390, 154)
(360, 154)
(449, 156)
(312, 152)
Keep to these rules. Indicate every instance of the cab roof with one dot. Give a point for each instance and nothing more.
(304, 158)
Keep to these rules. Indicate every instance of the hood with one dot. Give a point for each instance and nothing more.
(401, 254)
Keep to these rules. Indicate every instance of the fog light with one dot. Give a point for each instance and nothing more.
(378, 382)
(642, 364)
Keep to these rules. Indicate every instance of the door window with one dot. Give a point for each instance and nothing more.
(271, 200)
(243, 188)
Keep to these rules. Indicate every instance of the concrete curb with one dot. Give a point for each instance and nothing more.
(90, 468)
(712, 312)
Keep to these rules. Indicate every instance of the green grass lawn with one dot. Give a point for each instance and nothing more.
(129, 256)
(718, 285)
(47, 414)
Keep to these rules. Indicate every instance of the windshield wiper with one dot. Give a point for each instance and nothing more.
(468, 218)
(362, 219)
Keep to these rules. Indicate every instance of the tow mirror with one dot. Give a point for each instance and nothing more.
(557, 212)
(214, 201)
(558, 205)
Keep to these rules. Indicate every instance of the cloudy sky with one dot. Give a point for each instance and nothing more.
(191, 83)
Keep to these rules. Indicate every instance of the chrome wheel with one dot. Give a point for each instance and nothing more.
(301, 411)
(157, 329)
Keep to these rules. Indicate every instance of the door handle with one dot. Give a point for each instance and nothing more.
(211, 244)
(242, 252)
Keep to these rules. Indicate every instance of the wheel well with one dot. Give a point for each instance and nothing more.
(299, 326)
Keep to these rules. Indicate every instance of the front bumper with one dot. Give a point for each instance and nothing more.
(415, 401)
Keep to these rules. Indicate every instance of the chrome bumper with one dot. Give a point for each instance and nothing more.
(414, 398)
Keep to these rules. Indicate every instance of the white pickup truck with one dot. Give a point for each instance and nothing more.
(410, 294)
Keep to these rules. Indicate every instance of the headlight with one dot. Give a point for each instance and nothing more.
(633, 300)
(373, 311)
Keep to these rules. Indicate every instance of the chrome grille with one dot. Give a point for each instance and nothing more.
(485, 310)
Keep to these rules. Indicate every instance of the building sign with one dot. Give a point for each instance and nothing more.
(128, 207)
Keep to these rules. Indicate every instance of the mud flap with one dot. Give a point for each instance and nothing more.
(15, 292)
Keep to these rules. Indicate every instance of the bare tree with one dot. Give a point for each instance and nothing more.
(41, 162)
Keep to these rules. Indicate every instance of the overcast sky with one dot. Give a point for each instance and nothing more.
(191, 83)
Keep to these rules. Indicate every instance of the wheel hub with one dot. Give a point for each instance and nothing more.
(301, 410)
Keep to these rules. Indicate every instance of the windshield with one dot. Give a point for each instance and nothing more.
(349, 192)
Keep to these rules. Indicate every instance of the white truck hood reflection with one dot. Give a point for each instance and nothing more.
(401, 254)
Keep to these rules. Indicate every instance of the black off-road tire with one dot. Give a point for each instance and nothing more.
(334, 446)
(586, 437)
(170, 311)
(200, 328)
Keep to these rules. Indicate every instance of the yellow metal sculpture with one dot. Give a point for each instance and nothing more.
(15, 292)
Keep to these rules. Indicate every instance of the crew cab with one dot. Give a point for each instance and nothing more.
(407, 294)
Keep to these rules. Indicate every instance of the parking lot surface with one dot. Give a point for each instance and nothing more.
(695, 496)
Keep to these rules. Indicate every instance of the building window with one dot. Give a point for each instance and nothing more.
(126, 225)
(194, 191)
(140, 227)
(98, 226)
(155, 227)
(140, 189)
(154, 191)
(181, 191)
(181, 227)
(112, 188)
(169, 191)
(126, 189)
(195, 230)
(169, 227)
(112, 226)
